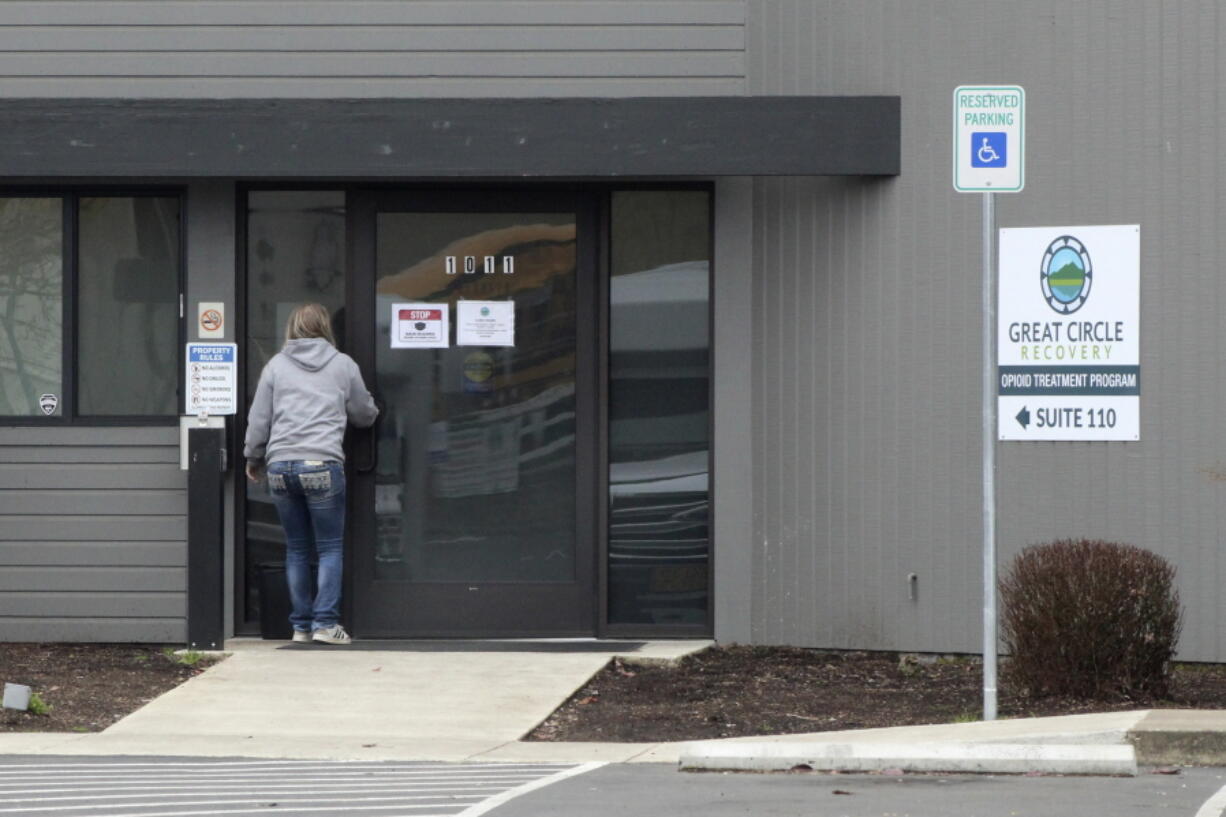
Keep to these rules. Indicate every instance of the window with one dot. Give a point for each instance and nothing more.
(114, 262)
(31, 306)
(659, 407)
(128, 306)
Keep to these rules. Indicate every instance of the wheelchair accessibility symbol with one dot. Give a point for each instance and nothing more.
(988, 149)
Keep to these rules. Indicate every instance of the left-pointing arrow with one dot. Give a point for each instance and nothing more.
(1023, 417)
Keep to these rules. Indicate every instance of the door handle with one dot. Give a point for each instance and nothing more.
(368, 439)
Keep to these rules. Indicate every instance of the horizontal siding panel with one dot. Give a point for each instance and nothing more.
(95, 528)
(368, 87)
(164, 455)
(388, 12)
(93, 579)
(87, 435)
(103, 503)
(315, 49)
(367, 38)
(107, 605)
(87, 476)
(95, 630)
(435, 64)
(93, 554)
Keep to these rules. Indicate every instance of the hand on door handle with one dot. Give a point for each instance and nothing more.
(368, 439)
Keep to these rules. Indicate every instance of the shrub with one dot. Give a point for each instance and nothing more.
(37, 705)
(1090, 619)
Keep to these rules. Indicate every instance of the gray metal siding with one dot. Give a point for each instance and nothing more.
(414, 48)
(92, 536)
(732, 406)
(867, 315)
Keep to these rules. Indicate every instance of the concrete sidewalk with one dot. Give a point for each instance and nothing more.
(456, 701)
(447, 701)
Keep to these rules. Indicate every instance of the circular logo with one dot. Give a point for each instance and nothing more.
(485, 311)
(1066, 275)
(478, 372)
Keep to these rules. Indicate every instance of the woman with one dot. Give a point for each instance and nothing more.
(306, 394)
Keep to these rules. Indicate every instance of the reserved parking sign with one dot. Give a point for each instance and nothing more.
(989, 138)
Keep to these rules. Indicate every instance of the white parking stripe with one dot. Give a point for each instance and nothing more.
(275, 772)
(448, 800)
(294, 791)
(405, 776)
(203, 788)
(270, 791)
(265, 810)
(303, 764)
(498, 800)
(509, 783)
(1215, 805)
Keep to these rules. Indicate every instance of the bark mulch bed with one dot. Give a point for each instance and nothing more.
(741, 691)
(720, 692)
(87, 687)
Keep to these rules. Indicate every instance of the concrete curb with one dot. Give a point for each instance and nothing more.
(1179, 748)
(993, 758)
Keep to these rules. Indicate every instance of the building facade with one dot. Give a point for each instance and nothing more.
(741, 396)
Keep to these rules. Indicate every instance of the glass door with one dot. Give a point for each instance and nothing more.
(473, 499)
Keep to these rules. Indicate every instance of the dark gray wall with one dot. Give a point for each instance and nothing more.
(867, 314)
(92, 536)
(733, 406)
(93, 520)
(434, 48)
(654, 137)
(73, 565)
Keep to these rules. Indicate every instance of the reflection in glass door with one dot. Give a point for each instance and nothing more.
(295, 247)
(468, 520)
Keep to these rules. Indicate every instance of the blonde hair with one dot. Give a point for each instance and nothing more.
(309, 321)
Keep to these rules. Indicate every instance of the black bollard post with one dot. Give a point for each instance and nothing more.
(205, 540)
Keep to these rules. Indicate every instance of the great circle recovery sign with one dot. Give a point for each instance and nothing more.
(1068, 333)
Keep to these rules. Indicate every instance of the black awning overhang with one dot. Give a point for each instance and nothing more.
(446, 138)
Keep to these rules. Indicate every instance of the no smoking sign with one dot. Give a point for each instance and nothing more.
(212, 320)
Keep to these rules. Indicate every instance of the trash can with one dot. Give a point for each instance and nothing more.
(274, 602)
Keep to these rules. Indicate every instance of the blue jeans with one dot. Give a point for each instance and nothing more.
(310, 499)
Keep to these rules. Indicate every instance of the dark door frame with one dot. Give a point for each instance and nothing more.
(577, 608)
(598, 192)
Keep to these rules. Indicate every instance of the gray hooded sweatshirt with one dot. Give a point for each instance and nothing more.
(306, 394)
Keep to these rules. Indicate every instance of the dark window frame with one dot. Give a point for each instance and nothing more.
(70, 197)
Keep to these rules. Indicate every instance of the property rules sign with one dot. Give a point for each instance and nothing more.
(1068, 333)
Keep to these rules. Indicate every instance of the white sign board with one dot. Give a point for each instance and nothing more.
(989, 138)
(420, 326)
(211, 378)
(1068, 333)
(485, 323)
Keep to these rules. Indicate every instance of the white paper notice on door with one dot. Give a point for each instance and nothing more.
(485, 323)
(420, 326)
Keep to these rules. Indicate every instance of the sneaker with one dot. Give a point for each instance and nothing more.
(332, 635)
(302, 637)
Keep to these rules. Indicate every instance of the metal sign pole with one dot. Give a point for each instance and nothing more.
(989, 157)
(989, 472)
